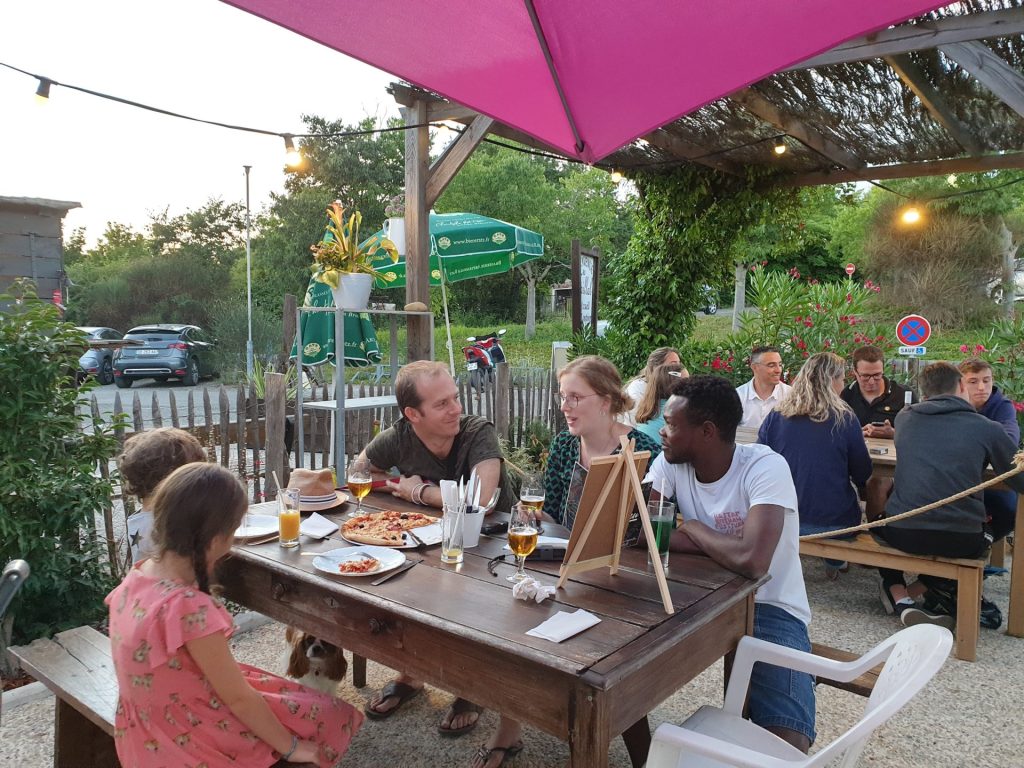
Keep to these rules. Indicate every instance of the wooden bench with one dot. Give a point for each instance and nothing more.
(862, 686)
(77, 667)
(866, 550)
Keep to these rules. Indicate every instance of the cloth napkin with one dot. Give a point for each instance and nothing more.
(564, 625)
(530, 587)
(317, 526)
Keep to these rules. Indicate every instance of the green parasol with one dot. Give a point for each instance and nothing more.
(361, 347)
(468, 246)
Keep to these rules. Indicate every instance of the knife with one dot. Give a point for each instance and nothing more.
(402, 569)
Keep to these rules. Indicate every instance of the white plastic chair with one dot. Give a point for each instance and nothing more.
(713, 737)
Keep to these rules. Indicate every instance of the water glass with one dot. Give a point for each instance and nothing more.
(288, 517)
(663, 521)
(452, 521)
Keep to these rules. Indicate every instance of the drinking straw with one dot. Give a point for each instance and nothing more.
(277, 482)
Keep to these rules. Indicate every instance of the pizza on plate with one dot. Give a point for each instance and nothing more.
(384, 529)
(364, 564)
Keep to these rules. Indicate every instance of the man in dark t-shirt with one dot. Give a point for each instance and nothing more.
(875, 400)
(434, 441)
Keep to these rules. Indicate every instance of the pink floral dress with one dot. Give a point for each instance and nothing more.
(168, 713)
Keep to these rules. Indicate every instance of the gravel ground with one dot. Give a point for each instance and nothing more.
(967, 716)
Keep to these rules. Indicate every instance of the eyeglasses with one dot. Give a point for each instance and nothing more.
(868, 376)
(573, 400)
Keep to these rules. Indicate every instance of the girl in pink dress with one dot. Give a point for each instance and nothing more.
(184, 700)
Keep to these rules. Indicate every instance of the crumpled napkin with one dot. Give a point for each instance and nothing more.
(564, 625)
(317, 526)
(530, 587)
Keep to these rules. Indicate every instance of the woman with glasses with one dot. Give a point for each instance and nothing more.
(820, 438)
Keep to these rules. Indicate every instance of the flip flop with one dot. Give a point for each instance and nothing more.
(459, 707)
(507, 753)
(402, 691)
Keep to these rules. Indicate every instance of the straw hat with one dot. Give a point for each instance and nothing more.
(316, 489)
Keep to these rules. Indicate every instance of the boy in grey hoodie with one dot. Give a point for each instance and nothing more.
(943, 446)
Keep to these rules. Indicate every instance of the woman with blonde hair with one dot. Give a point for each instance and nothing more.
(636, 386)
(650, 409)
(821, 440)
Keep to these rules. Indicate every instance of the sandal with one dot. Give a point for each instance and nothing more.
(401, 691)
(483, 755)
(459, 707)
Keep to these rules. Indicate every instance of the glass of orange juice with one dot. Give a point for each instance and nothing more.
(288, 517)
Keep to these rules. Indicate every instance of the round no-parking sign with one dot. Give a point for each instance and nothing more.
(913, 330)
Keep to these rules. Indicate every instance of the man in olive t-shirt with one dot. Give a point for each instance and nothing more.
(434, 441)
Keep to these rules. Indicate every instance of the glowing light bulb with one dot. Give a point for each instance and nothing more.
(292, 156)
(616, 176)
(911, 215)
(780, 147)
(43, 91)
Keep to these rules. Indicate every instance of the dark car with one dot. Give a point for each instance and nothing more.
(167, 351)
(98, 360)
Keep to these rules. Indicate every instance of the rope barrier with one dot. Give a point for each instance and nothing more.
(1018, 461)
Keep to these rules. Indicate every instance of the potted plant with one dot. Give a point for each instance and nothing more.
(344, 263)
(395, 211)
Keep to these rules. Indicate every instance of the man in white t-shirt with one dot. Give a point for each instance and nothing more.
(739, 508)
(765, 390)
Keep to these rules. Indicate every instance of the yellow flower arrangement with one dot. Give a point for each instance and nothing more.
(340, 250)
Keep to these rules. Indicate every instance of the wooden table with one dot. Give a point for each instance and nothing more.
(459, 628)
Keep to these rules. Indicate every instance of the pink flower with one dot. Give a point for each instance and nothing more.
(808, 323)
(849, 298)
(1018, 407)
(979, 348)
(827, 343)
(817, 307)
(764, 263)
(1002, 359)
(807, 354)
(812, 281)
(963, 348)
(794, 273)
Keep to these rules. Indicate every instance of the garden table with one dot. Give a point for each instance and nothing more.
(458, 627)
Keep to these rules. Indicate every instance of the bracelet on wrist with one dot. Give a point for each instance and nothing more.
(290, 752)
(416, 496)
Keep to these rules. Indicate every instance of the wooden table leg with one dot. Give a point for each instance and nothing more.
(1015, 615)
(589, 728)
(968, 612)
(358, 671)
(78, 743)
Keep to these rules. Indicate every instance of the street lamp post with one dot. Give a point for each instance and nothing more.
(248, 279)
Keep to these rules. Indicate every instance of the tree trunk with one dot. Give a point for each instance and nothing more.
(740, 294)
(531, 305)
(1006, 247)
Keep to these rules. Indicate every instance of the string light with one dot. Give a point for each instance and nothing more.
(780, 146)
(911, 215)
(616, 176)
(292, 156)
(43, 91)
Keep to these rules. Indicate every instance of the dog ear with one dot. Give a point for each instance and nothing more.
(298, 664)
(336, 664)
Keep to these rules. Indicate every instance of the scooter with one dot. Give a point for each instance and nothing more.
(483, 354)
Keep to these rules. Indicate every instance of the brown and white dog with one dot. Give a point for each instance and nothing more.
(314, 662)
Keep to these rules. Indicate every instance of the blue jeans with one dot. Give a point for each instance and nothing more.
(806, 529)
(780, 697)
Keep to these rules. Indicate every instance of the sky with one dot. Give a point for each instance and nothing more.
(201, 58)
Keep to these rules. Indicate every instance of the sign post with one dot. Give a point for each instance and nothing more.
(851, 268)
(913, 331)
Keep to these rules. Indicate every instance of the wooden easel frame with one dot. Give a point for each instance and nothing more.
(607, 512)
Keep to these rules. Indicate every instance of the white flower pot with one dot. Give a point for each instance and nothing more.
(396, 232)
(353, 291)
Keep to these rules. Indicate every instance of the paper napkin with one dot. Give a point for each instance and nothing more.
(564, 625)
(530, 588)
(317, 526)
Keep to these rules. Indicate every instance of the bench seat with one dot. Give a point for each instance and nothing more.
(76, 665)
(968, 573)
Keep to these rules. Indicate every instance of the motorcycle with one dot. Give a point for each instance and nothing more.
(482, 356)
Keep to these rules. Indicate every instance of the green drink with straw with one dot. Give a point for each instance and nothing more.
(663, 521)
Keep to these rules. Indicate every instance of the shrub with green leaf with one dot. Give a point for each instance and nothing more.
(50, 493)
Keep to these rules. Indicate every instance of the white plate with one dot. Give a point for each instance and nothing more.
(328, 561)
(428, 534)
(256, 526)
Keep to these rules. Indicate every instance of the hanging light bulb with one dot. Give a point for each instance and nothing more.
(43, 91)
(616, 175)
(911, 215)
(292, 156)
(780, 146)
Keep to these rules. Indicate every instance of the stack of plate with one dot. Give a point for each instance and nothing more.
(329, 497)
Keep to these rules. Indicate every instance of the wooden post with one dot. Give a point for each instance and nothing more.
(288, 338)
(417, 227)
(277, 395)
(501, 400)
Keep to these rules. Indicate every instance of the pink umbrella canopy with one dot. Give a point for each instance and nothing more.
(584, 76)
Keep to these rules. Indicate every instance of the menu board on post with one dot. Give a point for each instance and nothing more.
(586, 272)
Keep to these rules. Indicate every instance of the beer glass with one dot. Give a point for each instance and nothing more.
(522, 538)
(359, 481)
(531, 496)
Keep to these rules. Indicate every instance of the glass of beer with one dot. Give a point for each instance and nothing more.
(288, 517)
(663, 521)
(522, 538)
(359, 481)
(531, 496)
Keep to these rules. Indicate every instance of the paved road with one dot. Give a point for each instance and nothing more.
(147, 388)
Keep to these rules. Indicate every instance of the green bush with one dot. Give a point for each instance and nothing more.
(49, 492)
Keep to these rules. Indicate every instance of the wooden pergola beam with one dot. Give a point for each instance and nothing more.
(914, 78)
(417, 226)
(988, 68)
(443, 170)
(759, 106)
(921, 36)
(980, 164)
(684, 150)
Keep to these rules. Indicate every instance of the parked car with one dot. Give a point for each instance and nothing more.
(167, 351)
(709, 296)
(98, 361)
